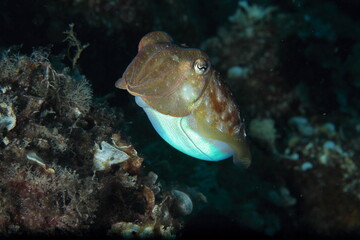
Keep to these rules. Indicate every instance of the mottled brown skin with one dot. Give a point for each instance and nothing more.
(219, 118)
(180, 82)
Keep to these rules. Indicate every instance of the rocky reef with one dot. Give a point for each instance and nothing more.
(65, 169)
(304, 179)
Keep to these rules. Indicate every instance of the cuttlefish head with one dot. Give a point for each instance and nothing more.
(169, 78)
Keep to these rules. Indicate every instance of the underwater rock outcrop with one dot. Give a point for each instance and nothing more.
(64, 167)
(291, 72)
(323, 164)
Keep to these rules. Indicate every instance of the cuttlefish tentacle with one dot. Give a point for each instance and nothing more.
(185, 100)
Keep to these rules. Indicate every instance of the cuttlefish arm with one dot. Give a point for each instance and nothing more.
(186, 102)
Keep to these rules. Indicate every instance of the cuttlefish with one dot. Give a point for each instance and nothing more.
(185, 100)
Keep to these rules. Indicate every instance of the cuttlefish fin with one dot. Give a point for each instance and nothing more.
(242, 155)
(154, 37)
(120, 83)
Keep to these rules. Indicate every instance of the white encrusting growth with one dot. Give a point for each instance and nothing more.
(7, 117)
(107, 155)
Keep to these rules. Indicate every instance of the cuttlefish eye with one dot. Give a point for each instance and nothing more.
(201, 66)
